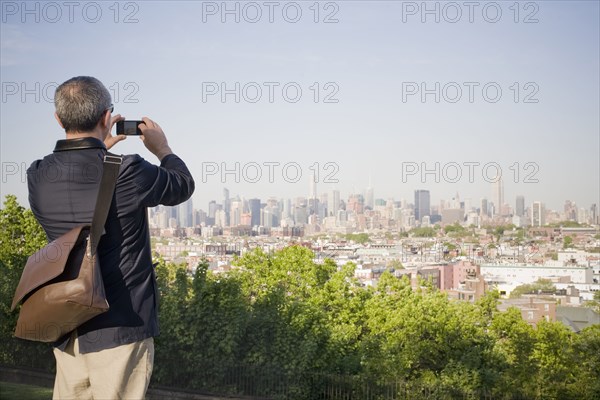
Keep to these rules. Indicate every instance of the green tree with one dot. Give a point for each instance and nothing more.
(566, 224)
(567, 242)
(456, 228)
(423, 232)
(540, 286)
(343, 301)
(395, 264)
(587, 351)
(219, 313)
(424, 339)
(554, 357)
(20, 236)
(360, 238)
(514, 341)
(595, 303)
(287, 329)
(175, 339)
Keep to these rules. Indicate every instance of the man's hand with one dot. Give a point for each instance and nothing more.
(154, 138)
(110, 140)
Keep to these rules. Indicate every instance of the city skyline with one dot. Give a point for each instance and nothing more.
(248, 211)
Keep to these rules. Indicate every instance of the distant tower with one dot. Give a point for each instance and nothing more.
(254, 205)
(422, 207)
(312, 186)
(313, 202)
(369, 196)
(287, 208)
(538, 214)
(456, 201)
(334, 203)
(520, 206)
(498, 195)
(226, 205)
(235, 215)
(484, 208)
(186, 211)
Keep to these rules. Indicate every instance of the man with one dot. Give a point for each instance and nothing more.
(110, 356)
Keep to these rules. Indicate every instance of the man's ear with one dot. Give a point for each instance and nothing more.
(58, 120)
(106, 119)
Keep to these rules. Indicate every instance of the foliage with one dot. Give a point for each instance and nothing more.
(594, 304)
(541, 286)
(423, 232)
(21, 236)
(567, 224)
(567, 242)
(395, 264)
(456, 227)
(586, 349)
(360, 238)
(553, 357)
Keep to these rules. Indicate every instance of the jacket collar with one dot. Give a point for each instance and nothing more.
(79, 144)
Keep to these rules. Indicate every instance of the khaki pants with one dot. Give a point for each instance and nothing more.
(122, 372)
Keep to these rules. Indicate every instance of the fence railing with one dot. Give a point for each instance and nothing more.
(272, 383)
(265, 383)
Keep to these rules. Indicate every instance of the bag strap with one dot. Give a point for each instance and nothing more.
(105, 194)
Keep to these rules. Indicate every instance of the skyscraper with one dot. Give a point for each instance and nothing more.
(538, 214)
(323, 205)
(254, 205)
(226, 205)
(498, 195)
(484, 208)
(313, 202)
(334, 203)
(312, 185)
(186, 210)
(173, 212)
(235, 214)
(422, 207)
(220, 218)
(287, 208)
(369, 197)
(300, 214)
(267, 217)
(520, 206)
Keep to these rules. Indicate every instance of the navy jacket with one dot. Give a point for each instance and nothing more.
(62, 194)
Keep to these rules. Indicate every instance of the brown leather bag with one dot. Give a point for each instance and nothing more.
(61, 285)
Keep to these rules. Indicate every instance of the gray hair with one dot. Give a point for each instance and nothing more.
(80, 103)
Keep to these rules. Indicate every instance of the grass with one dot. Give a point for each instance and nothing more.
(9, 391)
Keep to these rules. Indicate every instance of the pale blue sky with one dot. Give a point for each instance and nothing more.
(168, 54)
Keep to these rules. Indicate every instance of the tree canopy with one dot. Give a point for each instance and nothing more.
(540, 286)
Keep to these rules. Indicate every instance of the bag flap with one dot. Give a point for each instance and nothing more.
(47, 263)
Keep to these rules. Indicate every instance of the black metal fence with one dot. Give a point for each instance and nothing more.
(275, 384)
(250, 382)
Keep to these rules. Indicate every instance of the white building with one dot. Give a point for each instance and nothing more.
(518, 274)
(538, 214)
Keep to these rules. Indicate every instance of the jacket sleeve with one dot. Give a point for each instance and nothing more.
(169, 184)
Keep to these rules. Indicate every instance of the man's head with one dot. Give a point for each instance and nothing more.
(81, 103)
